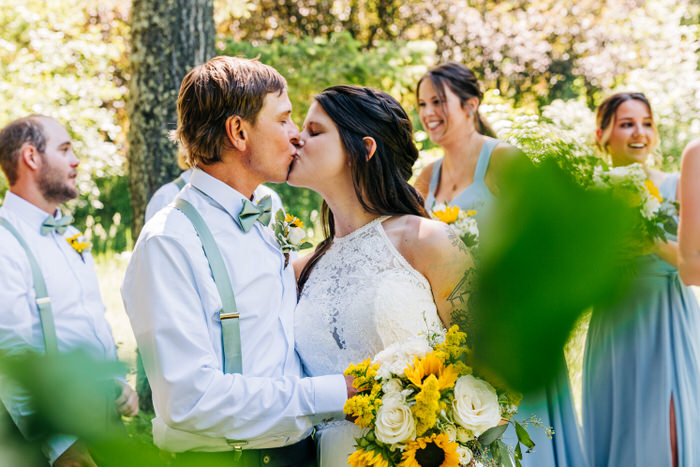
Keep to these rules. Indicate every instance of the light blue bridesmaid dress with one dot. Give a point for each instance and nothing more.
(553, 405)
(639, 354)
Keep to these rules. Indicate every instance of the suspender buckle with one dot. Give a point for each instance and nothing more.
(229, 315)
(237, 447)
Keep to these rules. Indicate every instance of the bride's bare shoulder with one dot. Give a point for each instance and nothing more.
(420, 239)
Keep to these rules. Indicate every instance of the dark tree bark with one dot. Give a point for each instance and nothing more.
(168, 38)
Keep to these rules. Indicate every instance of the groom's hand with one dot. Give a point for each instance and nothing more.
(351, 389)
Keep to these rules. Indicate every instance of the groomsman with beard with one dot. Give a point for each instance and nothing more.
(50, 298)
(208, 291)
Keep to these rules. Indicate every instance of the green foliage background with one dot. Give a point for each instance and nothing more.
(541, 62)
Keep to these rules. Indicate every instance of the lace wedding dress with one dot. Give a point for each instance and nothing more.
(361, 297)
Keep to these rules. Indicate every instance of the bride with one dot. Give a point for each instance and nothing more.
(385, 272)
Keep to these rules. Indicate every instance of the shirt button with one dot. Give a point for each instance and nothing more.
(266, 459)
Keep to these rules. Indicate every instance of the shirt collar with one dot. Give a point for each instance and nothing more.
(26, 211)
(228, 198)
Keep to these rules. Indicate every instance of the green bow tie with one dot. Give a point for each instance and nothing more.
(59, 226)
(250, 213)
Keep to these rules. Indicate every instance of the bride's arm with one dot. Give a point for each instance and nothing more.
(434, 250)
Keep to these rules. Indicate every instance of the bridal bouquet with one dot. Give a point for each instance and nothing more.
(462, 222)
(657, 216)
(421, 404)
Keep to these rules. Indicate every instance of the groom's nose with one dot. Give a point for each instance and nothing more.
(295, 136)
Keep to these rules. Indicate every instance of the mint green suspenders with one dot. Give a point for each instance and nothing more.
(230, 327)
(179, 182)
(43, 301)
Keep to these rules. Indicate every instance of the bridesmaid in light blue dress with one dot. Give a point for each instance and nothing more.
(448, 100)
(641, 381)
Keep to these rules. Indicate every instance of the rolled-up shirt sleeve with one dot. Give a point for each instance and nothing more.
(172, 322)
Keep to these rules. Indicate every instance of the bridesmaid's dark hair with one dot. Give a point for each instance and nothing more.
(461, 81)
(381, 181)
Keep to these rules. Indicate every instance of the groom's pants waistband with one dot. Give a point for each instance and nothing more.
(300, 454)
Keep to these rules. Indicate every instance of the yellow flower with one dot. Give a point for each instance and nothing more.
(471, 212)
(293, 221)
(77, 245)
(447, 215)
(653, 191)
(431, 448)
(427, 405)
(431, 364)
(363, 407)
(362, 458)
(454, 348)
(364, 374)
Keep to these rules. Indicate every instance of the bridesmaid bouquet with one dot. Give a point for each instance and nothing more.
(421, 404)
(462, 222)
(657, 216)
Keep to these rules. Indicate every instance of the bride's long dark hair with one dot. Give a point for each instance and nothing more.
(380, 181)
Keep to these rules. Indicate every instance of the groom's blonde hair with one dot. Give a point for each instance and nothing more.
(213, 92)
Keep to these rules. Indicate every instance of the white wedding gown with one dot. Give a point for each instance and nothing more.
(361, 297)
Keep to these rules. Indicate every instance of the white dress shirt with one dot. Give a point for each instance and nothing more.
(173, 304)
(165, 194)
(78, 311)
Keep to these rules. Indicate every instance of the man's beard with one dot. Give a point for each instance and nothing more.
(54, 187)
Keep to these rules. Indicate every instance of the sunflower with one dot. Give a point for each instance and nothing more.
(447, 215)
(431, 364)
(653, 191)
(362, 458)
(293, 221)
(435, 450)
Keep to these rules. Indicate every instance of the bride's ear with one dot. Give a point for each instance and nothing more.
(236, 132)
(370, 145)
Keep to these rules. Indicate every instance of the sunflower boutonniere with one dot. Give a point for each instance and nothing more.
(79, 244)
(290, 234)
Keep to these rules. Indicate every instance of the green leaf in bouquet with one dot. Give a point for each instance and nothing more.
(279, 216)
(550, 250)
(517, 454)
(523, 436)
(492, 434)
(305, 245)
(501, 454)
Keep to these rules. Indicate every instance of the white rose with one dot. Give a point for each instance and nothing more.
(392, 386)
(651, 205)
(296, 235)
(451, 432)
(465, 455)
(394, 422)
(395, 358)
(475, 405)
(464, 435)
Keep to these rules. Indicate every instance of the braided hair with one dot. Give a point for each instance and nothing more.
(380, 180)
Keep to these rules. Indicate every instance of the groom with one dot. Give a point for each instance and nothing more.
(224, 372)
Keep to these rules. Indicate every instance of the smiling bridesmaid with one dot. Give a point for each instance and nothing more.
(468, 176)
(641, 365)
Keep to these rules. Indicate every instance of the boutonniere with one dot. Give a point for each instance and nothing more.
(79, 244)
(290, 234)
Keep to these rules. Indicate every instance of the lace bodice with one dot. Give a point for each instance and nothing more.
(361, 296)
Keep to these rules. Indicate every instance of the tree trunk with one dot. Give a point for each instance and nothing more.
(168, 38)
